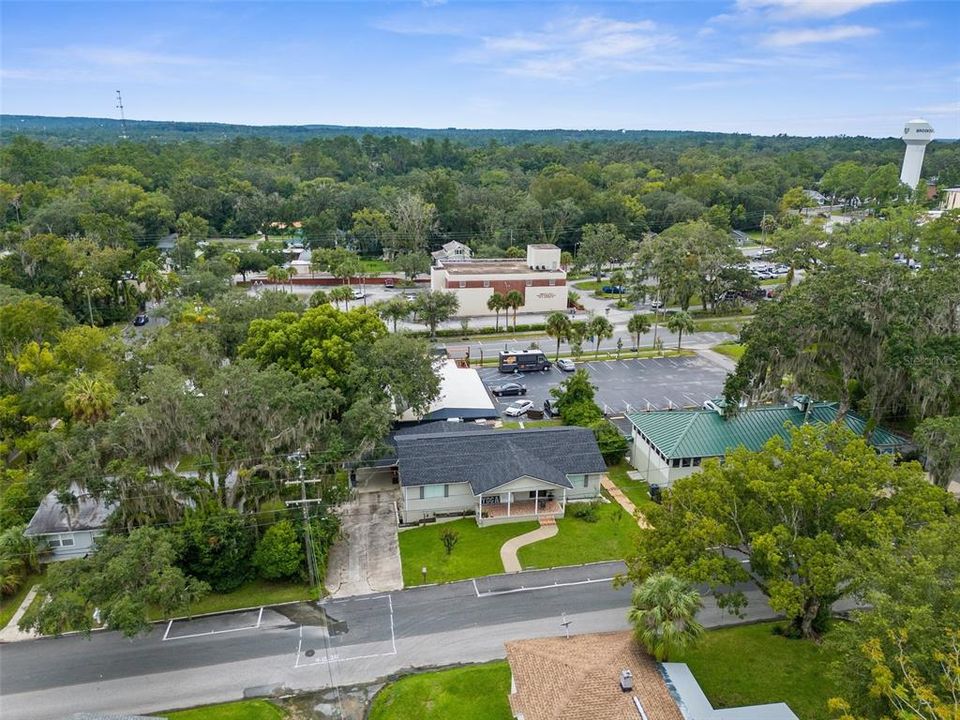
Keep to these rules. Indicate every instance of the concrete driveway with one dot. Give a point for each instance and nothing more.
(367, 559)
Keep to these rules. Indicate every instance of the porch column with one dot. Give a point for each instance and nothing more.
(536, 502)
(563, 505)
(509, 497)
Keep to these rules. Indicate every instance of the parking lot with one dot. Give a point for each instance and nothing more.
(625, 385)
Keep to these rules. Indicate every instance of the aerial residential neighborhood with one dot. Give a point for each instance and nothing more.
(470, 360)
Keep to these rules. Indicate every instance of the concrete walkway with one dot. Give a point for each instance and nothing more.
(11, 633)
(624, 502)
(508, 553)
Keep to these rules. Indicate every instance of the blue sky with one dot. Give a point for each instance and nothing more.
(806, 67)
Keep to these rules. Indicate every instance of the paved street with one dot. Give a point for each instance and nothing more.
(626, 385)
(302, 646)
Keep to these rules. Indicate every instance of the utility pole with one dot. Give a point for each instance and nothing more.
(307, 534)
(123, 120)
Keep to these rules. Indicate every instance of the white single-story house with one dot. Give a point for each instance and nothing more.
(496, 475)
(69, 531)
(462, 396)
(671, 444)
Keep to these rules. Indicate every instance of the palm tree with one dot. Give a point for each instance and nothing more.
(558, 326)
(342, 292)
(514, 300)
(394, 309)
(601, 329)
(497, 302)
(638, 325)
(680, 322)
(149, 275)
(663, 613)
(88, 398)
(276, 274)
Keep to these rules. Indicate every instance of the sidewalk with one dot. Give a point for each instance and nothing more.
(11, 633)
(624, 502)
(508, 553)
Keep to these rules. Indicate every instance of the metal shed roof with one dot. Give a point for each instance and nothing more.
(705, 433)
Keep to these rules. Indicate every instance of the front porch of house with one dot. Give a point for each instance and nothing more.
(498, 507)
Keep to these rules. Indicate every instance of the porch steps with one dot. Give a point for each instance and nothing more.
(547, 521)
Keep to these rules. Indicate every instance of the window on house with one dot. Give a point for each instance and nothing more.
(434, 491)
(529, 283)
(696, 462)
(685, 462)
(676, 462)
(463, 283)
(65, 540)
(486, 283)
(553, 283)
(586, 481)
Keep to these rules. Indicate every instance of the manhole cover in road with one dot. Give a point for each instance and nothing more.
(309, 653)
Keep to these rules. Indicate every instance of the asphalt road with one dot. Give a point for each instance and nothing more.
(308, 647)
(625, 385)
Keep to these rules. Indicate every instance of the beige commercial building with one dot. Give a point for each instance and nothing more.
(539, 279)
(951, 199)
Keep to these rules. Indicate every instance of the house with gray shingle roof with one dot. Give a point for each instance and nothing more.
(496, 476)
(671, 444)
(69, 529)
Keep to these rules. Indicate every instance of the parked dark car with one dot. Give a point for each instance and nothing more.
(656, 494)
(548, 408)
(509, 389)
(141, 319)
(614, 289)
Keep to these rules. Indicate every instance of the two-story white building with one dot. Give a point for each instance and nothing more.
(671, 444)
(539, 279)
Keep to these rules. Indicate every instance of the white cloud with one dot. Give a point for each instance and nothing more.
(809, 36)
(807, 8)
(589, 46)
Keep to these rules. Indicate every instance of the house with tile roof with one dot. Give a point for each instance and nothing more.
(579, 678)
(496, 475)
(671, 444)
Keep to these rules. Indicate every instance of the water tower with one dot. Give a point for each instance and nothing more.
(916, 134)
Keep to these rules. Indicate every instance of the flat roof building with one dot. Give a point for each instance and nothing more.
(539, 279)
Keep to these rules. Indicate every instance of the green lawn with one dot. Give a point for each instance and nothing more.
(476, 554)
(749, 665)
(612, 537)
(470, 693)
(730, 325)
(731, 349)
(635, 490)
(253, 594)
(242, 710)
(374, 265)
(10, 603)
(515, 424)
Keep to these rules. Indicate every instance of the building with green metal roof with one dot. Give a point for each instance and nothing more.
(671, 444)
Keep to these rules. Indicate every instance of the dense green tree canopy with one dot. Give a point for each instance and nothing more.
(797, 513)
